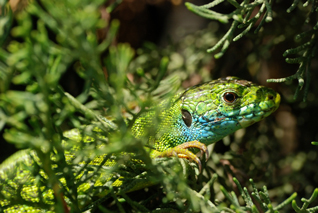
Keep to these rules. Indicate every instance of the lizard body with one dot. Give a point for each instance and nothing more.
(197, 117)
(207, 113)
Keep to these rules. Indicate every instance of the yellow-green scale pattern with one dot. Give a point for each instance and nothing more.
(205, 113)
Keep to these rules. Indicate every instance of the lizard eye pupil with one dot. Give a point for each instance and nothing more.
(186, 117)
(230, 97)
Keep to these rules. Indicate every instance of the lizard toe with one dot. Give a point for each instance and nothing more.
(181, 152)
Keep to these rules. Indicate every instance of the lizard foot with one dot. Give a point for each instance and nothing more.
(181, 152)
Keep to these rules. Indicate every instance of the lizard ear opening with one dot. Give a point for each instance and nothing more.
(186, 117)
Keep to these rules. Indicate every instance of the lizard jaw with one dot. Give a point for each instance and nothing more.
(249, 119)
(245, 121)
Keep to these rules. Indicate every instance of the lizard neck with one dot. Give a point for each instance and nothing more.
(173, 130)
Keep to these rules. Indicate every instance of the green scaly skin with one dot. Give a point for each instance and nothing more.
(200, 116)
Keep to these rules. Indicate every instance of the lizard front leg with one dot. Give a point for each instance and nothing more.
(181, 151)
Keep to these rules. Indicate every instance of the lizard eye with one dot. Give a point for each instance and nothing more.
(186, 117)
(230, 97)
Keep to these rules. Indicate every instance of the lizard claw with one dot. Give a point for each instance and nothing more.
(196, 144)
(206, 151)
(182, 152)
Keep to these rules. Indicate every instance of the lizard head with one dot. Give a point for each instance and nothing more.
(215, 109)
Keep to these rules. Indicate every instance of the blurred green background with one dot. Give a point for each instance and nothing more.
(276, 152)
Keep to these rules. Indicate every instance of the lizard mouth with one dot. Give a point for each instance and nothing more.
(261, 110)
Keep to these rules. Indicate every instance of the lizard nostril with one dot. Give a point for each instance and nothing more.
(270, 97)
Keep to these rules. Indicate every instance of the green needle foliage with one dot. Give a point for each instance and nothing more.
(49, 39)
(306, 202)
(261, 198)
(241, 17)
(243, 22)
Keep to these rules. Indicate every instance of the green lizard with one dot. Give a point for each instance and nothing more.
(197, 117)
